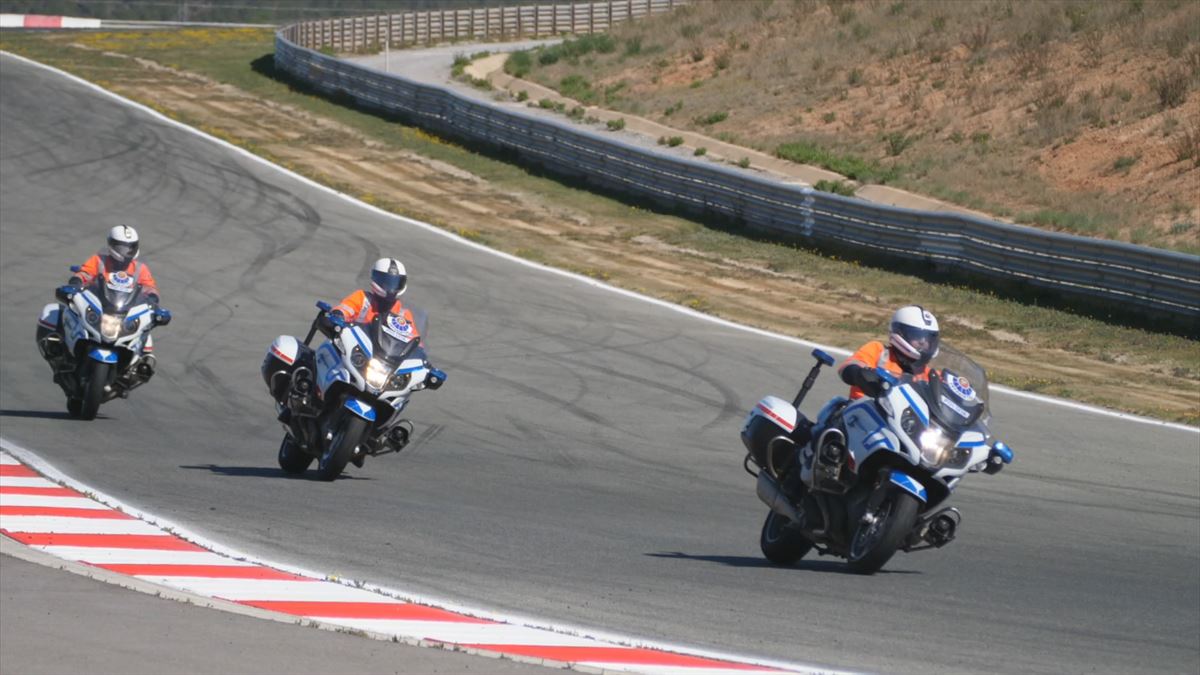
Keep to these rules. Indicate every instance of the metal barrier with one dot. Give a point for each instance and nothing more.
(1134, 279)
(372, 33)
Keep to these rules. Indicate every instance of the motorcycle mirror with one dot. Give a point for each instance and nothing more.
(323, 306)
(162, 317)
(822, 357)
(61, 295)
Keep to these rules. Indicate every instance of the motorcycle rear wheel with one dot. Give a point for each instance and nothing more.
(293, 460)
(781, 542)
(873, 544)
(349, 434)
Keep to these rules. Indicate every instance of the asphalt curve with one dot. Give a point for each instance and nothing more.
(582, 463)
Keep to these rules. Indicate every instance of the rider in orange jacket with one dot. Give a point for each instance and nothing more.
(121, 256)
(389, 280)
(912, 342)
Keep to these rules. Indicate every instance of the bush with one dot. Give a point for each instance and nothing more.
(837, 187)
(672, 109)
(855, 77)
(522, 96)
(578, 88)
(744, 162)
(546, 104)
(1186, 144)
(675, 141)
(714, 118)
(519, 64)
(616, 125)
(633, 46)
(1171, 88)
(898, 142)
(461, 61)
(803, 152)
(700, 151)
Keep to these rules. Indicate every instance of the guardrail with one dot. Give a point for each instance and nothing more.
(372, 33)
(1135, 279)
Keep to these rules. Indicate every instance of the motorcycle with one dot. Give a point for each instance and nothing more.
(97, 341)
(871, 476)
(342, 401)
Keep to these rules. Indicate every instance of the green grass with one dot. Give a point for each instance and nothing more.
(850, 166)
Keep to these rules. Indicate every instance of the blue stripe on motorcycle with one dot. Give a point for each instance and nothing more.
(103, 355)
(908, 484)
(366, 346)
(361, 409)
(915, 407)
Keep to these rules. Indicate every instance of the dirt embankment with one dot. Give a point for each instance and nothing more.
(1073, 116)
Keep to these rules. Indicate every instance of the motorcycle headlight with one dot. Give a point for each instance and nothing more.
(934, 445)
(377, 373)
(91, 316)
(358, 358)
(399, 381)
(110, 326)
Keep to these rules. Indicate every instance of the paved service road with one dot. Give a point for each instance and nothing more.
(582, 463)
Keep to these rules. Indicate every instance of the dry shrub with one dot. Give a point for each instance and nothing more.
(978, 38)
(1171, 87)
(1092, 46)
(1186, 144)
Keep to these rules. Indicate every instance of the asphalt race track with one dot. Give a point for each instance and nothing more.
(582, 464)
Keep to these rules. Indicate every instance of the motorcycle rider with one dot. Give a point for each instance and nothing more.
(912, 342)
(120, 256)
(389, 280)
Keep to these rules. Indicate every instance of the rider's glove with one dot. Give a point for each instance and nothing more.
(870, 382)
(332, 321)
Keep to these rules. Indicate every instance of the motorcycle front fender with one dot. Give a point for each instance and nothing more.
(103, 355)
(908, 484)
(363, 410)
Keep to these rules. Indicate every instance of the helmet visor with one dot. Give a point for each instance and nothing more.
(387, 285)
(122, 250)
(922, 340)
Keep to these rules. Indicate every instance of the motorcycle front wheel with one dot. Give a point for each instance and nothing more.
(348, 435)
(876, 541)
(781, 542)
(293, 460)
(93, 390)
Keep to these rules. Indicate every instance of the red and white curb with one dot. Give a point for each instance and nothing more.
(44, 21)
(65, 522)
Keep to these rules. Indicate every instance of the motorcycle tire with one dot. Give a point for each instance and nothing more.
(873, 545)
(293, 460)
(93, 390)
(349, 434)
(780, 543)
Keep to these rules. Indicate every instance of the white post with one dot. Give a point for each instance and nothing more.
(387, 65)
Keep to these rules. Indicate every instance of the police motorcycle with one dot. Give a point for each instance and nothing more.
(96, 339)
(342, 401)
(871, 476)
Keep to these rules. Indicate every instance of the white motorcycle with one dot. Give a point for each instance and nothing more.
(871, 476)
(342, 402)
(97, 340)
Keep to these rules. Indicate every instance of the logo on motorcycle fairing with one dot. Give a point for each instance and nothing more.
(398, 328)
(120, 281)
(961, 386)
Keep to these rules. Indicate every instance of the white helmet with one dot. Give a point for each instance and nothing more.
(914, 335)
(389, 280)
(123, 244)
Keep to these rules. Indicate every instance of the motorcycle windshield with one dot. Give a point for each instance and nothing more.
(118, 291)
(957, 391)
(395, 337)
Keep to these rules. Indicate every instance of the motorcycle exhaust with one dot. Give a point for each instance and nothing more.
(771, 494)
